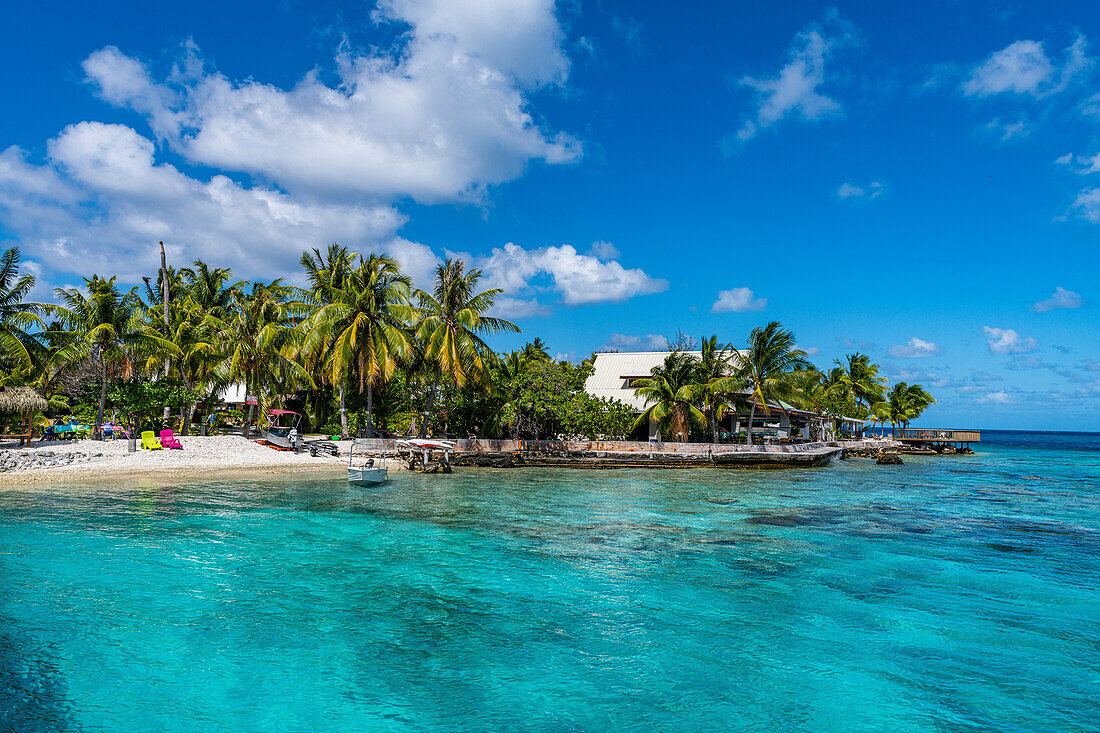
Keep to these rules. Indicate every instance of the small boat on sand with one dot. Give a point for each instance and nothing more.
(282, 429)
(366, 474)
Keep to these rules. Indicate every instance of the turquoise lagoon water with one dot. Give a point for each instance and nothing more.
(947, 594)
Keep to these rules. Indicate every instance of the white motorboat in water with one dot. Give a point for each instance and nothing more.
(367, 474)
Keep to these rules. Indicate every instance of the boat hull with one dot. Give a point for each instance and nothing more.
(367, 476)
(278, 438)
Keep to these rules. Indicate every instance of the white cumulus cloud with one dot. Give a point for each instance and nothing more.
(1087, 205)
(1061, 298)
(443, 119)
(1024, 68)
(1007, 341)
(520, 37)
(579, 279)
(852, 191)
(100, 204)
(629, 342)
(914, 348)
(441, 115)
(794, 90)
(738, 300)
(603, 250)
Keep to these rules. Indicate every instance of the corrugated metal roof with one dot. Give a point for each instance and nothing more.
(609, 370)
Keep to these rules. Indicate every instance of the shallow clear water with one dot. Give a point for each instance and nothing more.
(947, 594)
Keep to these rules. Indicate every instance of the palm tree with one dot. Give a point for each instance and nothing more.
(109, 326)
(717, 385)
(257, 341)
(880, 413)
(767, 367)
(194, 331)
(327, 274)
(919, 401)
(536, 350)
(860, 375)
(16, 315)
(452, 322)
(361, 320)
(207, 293)
(673, 389)
(209, 287)
(906, 402)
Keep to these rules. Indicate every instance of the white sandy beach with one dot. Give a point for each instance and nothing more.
(201, 457)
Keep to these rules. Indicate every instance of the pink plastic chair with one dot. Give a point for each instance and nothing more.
(168, 440)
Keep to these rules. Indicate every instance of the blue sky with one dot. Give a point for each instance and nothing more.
(921, 183)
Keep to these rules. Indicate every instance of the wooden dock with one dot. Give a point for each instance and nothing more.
(938, 436)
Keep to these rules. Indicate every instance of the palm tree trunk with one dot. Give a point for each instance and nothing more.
(752, 419)
(102, 393)
(370, 409)
(343, 411)
(431, 404)
(185, 427)
(251, 409)
(713, 423)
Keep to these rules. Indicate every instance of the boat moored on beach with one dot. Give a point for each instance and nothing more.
(282, 428)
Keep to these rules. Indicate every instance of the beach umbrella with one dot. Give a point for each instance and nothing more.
(24, 401)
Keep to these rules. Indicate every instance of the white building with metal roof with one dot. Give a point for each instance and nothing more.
(615, 376)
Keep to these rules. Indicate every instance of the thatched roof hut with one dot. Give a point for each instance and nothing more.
(21, 400)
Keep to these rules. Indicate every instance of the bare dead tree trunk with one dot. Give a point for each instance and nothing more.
(164, 307)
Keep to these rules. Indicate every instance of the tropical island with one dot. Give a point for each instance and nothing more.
(360, 351)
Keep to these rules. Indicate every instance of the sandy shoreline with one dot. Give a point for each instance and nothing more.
(201, 458)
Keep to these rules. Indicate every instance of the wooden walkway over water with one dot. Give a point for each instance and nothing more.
(938, 436)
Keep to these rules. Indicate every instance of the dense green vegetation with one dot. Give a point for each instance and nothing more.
(361, 350)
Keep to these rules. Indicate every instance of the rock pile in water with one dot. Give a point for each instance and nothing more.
(889, 459)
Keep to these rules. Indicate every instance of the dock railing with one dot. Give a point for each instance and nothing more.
(938, 435)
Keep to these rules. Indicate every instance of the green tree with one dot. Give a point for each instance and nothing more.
(327, 274)
(453, 320)
(718, 387)
(17, 316)
(143, 399)
(906, 402)
(671, 392)
(105, 324)
(860, 375)
(767, 367)
(258, 341)
(536, 350)
(360, 321)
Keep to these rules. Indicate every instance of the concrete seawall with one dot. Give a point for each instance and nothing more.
(627, 454)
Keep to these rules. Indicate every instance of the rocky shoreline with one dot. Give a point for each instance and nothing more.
(30, 460)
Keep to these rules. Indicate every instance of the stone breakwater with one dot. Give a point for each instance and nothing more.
(29, 460)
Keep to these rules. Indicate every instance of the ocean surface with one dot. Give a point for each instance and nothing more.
(948, 594)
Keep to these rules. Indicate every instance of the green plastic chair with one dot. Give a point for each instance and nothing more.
(149, 441)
